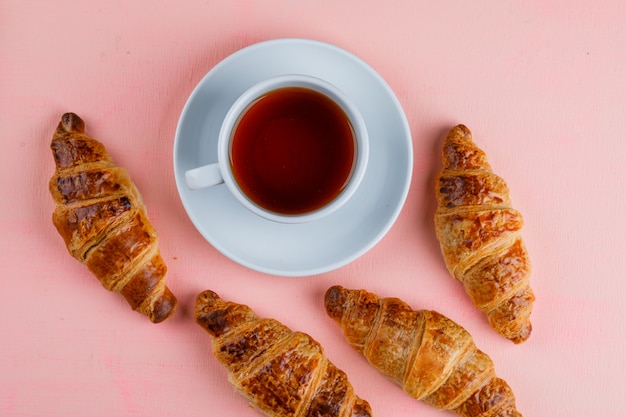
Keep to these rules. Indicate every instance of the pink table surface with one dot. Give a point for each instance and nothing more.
(541, 85)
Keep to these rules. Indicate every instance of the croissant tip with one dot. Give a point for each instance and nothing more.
(207, 296)
(361, 408)
(71, 123)
(333, 293)
(204, 300)
(164, 308)
(461, 130)
(334, 301)
(523, 335)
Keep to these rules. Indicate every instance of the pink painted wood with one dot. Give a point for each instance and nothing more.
(541, 86)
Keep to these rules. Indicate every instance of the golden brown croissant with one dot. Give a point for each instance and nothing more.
(479, 234)
(280, 372)
(432, 358)
(102, 219)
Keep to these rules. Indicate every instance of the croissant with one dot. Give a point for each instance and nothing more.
(480, 239)
(280, 372)
(101, 217)
(431, 357)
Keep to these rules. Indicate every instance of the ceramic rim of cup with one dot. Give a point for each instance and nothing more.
(321, 86)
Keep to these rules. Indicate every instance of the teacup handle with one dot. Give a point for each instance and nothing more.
(204, 176)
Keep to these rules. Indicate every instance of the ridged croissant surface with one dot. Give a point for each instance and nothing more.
(479, 234)
(102, 219)
(432, 358)
(280, 372)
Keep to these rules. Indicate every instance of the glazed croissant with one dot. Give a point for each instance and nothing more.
(479, 234)
(432, 358)
(280, 372)
(102, 219)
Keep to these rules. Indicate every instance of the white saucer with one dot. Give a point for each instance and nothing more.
(295, 249)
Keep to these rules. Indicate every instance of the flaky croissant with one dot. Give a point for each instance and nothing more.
(280, 372)
(432, 358)
(480, 239)
(103, 221)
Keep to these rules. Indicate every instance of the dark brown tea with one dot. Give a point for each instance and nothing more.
(293, 151)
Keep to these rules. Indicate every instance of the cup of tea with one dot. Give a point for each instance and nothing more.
(291, 149)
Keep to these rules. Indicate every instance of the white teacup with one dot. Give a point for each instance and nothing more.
(291, 149)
